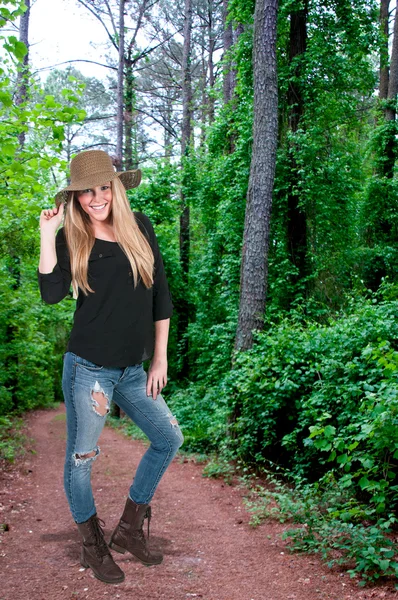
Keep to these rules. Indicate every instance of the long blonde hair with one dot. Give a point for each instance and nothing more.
(80, 239)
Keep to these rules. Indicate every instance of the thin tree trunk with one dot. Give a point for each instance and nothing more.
(393, 78)
(186, 83)
(23, 72)
(167, 134)
(390, 141)
(228, 73)
(185, 144)
(230, 37)
(296, 216)
(120, 90)
(203, 105)
(383, 85)
(210, 30)
(130, 154)
(254, 269)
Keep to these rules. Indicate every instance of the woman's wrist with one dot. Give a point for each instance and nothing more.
(160, 354)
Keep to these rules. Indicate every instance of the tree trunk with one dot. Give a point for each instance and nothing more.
(228, 72)
(296, 216)
(186, 135)
(204, 109)
(383, 85)
(120, 91)
(393, 77)
(210, 30)
(186, 83)
(23, 71)
(167, 134)
(130, 153)
(254, 269)
(390, 143)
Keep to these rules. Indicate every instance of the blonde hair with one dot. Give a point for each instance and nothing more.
(80, 239)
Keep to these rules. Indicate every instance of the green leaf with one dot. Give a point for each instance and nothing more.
(6, 98)
(50, 102)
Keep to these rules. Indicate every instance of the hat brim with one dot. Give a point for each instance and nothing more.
(129, 179)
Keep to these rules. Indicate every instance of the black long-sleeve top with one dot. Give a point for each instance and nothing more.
(114, 326)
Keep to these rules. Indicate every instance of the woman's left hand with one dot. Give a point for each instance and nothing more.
(157, 377)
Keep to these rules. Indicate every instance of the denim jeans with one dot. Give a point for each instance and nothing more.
(88, 391)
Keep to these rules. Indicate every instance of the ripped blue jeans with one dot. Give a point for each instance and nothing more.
(88, 391)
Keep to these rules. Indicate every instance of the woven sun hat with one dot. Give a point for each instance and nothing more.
(92, 168)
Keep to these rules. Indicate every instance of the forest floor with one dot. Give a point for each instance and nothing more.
(210, 550)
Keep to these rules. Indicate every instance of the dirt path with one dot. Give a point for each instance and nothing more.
(211, 552)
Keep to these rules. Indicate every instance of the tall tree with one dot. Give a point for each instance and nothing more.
(186, 135)
(120, 89)
(383, 83)
(228, 70)
(390, 77)
(118, 19)
(296, 217)
(254, 266)
(23, 72)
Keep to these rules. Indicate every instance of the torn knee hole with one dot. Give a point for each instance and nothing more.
(89, 455)
(81, 458)
(100, 400)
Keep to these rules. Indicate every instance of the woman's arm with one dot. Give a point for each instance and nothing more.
(54, 269)
(157, 372)
(50, 220)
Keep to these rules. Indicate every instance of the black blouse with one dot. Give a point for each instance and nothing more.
(114, 326)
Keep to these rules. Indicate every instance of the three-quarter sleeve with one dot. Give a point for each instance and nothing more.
(55, 286)
(162, 301)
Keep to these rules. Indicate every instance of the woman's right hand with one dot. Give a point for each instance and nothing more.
(50, 219)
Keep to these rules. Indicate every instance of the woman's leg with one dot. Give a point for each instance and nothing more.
(154, 418)
(87, 391)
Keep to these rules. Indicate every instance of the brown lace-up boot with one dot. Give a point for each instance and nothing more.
(95, 552)
(129, 535)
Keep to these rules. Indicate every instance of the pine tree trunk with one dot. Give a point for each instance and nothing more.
(390, 144)
(130, 154)
(393, 77)
(296, 216)
(210, 65)
(23, 72)
(228, 72)
(185, 217)
(383, 84)
(167, 134)
(120, 91)
(254, 269)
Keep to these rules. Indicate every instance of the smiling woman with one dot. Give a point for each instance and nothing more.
(112, 258)
(97, 202)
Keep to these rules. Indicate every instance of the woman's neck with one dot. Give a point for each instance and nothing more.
(104, 232)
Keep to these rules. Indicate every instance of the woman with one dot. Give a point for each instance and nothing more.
(111, 257)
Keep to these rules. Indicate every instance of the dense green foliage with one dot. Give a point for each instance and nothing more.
(33, 335)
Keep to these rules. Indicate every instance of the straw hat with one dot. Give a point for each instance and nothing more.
(94, 167)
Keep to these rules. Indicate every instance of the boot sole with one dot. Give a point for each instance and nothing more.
(117, 548)
(87, 566)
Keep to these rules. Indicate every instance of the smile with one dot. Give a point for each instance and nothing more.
(99, 207)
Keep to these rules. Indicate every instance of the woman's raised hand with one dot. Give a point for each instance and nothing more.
(50, 219)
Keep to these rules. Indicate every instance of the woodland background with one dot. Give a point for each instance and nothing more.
(285, 367)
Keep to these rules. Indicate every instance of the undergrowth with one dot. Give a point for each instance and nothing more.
(327, 519)
(12, 438)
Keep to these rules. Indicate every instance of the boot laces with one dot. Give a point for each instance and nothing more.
(101, 547)
(147, 515)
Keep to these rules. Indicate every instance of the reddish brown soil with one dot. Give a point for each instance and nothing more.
(211, 552)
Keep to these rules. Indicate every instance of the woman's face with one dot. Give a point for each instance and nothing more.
(97, 202)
